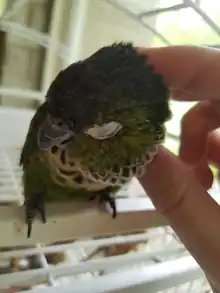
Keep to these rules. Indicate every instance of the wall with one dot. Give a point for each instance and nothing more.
(104, 25)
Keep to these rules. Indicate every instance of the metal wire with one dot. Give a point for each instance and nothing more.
(137, 19)
(34, 36)
(21, 93)
(213, 25)
(162, 10)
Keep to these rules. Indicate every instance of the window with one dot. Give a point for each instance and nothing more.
(195, 22)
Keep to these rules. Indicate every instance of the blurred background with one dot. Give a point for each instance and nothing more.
(38, 38)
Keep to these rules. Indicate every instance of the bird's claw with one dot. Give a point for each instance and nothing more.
(29, 224)
(111, 201)
(34, 207)
(104, 196)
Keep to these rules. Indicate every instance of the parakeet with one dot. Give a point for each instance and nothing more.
(99, 125)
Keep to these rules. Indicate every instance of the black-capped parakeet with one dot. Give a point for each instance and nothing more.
(100, 124)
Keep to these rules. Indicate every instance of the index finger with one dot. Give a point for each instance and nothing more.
(192, 73)
(190, 210)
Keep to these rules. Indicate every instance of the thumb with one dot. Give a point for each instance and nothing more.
(190, 210)
(167, 180)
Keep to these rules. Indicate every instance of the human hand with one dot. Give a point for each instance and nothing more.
(178, 185)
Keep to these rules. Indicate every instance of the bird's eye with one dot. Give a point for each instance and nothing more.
(60, 123)
(63, 124)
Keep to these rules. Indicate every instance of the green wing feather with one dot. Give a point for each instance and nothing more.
(30, 144)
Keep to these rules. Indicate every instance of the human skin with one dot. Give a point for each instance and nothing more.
(177, 185)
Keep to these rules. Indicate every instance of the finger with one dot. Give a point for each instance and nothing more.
(213, 153)
(166, 180)
(184, 95)
(195, 128)
(192, 213)
(196, 70)
(213, 148)
(204, 175)
(202, 170)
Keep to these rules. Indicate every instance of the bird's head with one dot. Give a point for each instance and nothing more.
(114, 93)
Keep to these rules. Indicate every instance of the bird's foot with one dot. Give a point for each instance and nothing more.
(107, 198)
(34, 207)
(104, 196)
(92, 197)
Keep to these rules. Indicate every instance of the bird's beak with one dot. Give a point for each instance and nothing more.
(51, 135)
